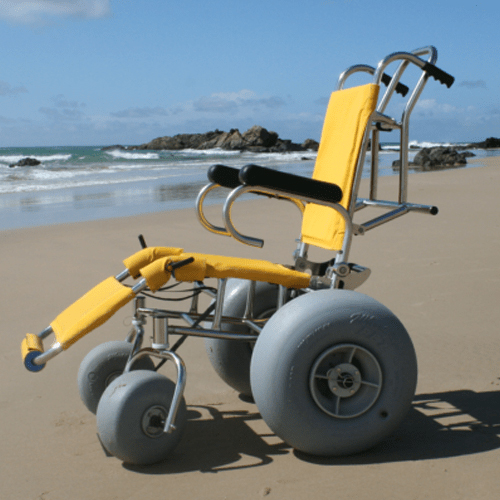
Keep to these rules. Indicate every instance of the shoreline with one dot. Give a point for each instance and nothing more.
(81, 204)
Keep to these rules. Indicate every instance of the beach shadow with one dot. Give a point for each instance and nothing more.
(439, 425)
(216, 441)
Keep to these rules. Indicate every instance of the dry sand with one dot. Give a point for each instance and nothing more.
(440, 275)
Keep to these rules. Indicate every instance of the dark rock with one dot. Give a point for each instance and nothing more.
(490, 142)
(310, 144)
(259, 136)
(26, 162)
(113, 148)
(437, 158)
(232, 141)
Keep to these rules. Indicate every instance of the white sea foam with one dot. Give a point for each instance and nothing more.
(10, 159)
(425, 144)
(28, 187)
(206, 152)
(46, 175)
(126, 155)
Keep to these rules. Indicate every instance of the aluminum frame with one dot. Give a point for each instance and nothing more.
(336, 273)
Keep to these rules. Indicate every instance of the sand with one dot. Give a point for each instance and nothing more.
(440, 275)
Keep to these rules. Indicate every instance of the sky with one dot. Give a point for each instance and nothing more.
(102, 72)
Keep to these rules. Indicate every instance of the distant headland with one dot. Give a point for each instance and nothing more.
(256, 139)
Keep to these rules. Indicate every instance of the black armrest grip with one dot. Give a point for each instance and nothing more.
(224, 176)
(294, 185)
(439, 74)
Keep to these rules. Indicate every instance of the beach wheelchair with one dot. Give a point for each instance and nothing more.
(331, 371)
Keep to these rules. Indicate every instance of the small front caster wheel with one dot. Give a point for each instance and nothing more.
(131, 418)
(101, 366)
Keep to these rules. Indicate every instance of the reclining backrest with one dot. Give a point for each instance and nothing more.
(347, 117)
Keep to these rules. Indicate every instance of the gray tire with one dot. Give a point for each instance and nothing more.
(231, 358)
(131, 416)
(101, 366)
(333, 372)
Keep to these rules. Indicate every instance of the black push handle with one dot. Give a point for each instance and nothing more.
(401, 88)
(439, 74)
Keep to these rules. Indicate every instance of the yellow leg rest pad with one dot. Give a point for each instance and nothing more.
(90, 311)
(142, 258)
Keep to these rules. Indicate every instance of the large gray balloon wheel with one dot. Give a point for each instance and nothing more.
(231, 358)
(101, 366)
(131, 417)
(333, 372)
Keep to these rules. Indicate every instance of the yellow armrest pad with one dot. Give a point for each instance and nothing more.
(146, 256)
(219, 266)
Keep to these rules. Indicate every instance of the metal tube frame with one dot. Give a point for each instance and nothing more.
(402, 206)
(222, 230)
(179, 385)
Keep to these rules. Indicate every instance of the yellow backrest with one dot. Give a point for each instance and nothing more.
(347, 117)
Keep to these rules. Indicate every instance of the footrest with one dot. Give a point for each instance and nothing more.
(31, 347)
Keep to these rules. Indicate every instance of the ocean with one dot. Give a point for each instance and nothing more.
(82, 183)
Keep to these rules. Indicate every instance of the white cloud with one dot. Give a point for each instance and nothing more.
(229, 102)
(8, 89)
(146, 112)
(473, 84)
(63, 109)
(431, 105)
(36, 11)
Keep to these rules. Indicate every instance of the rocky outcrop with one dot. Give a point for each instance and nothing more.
(26, 162)
(490, 142)
(113, 148)
(438, 157)
(256, 139)
(310, 144)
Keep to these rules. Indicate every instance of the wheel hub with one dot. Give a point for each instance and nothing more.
(345, 380)
(153, 421)
(111, 377)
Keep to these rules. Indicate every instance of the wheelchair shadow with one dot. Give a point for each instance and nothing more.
(439, 425)
(216, 441)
